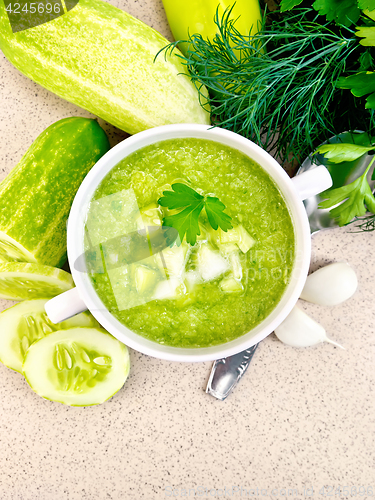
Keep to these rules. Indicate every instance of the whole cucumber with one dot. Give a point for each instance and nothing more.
(103, 60)
(35, 198)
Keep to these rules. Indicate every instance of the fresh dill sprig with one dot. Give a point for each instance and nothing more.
(366, 224)
(278, 87)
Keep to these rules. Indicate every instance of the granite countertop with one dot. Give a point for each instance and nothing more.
(300, 418)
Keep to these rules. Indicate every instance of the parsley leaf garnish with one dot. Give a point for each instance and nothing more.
(215, 214)
(191, 204)
(353, 200)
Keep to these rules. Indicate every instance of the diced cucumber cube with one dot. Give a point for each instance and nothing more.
(149, 216)
(246, 241)
(228, 248)
(144, 278)
(151, 210)
(238, 235)
(173, 259)
(210, 263)
(230, 284)
(235, 263)
(230, 236)
(169, 289)
(192, 279)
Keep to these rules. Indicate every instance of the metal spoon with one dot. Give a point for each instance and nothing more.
(227, 372)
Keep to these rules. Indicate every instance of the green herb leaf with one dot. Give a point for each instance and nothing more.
(368, 35)
(186, 222)
(215, 214)
(182, 196)
(192, 203)
(370, 13)
(365, 61)
(337, 153)
(355, 199)
(289, 4)
(360, 84)
(366, 4)
(344, 12)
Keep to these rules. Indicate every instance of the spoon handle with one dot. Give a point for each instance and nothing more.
(226, 372)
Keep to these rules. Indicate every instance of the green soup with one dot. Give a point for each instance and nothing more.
(229, 281)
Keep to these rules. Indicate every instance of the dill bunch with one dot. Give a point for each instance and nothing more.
(278, 87)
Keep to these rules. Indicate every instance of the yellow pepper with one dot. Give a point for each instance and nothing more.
(186, 17)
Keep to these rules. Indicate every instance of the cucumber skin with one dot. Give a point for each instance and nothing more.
(35, 198)
(103, 60)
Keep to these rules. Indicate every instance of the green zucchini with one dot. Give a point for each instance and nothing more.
(27, 322)
(77, 367)
(35, 198)
(103, 60)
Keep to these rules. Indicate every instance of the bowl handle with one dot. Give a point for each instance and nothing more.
(64, 306)
(312, 182)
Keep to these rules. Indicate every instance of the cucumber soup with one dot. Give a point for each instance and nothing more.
(219, 288)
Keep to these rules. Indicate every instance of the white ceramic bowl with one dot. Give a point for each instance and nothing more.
(84, 295)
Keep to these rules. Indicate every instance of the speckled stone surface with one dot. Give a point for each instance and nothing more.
(299, 418)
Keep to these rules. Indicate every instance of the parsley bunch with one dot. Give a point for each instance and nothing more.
(191, 204)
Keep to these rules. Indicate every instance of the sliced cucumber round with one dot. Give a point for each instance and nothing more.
(77, 367)
(27, 322)
(11, 250)
(21, 281)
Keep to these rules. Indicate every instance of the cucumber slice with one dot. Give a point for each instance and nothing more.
(4, 257)
(21, 280)
(27, 322)
(11, 250)
(77, 367)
